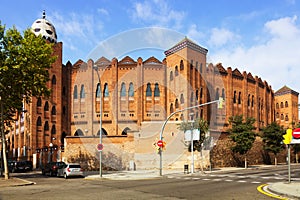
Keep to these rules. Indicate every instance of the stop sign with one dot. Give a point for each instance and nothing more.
(160, 143)
(296, 133)
(100, 147)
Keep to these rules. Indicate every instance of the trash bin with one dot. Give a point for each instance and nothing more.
(186, 169)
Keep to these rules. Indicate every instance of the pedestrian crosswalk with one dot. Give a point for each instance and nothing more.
(253, 178)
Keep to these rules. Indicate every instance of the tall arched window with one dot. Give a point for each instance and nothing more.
(53, 81)
(171, 76)
(106, 91)
(281, 105)
(176, 103)
(252, 102)
(181, 99)
(217, 94)
(248, 101)
(181, 65)
(234, 97)
(75, 95)
(53, 130)
(39, 102)
(176, 70)
(201, 93)
(131, 90)
(98, 92)
(286, 104)
(82, 92)
(123, 90)
(53, 111)
(171, 108)
(156, 90)
(148, 90)
(39, 121)
(223, 93)
(46, 126)
(277, 105)
(46, 107)
(240, 98)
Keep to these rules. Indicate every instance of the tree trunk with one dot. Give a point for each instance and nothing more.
(6, 175)
(275, 162)
(246, 165)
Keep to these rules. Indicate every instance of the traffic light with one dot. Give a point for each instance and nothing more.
(220, 103)
(288, 136)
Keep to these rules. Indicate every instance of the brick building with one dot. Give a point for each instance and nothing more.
(137, 96)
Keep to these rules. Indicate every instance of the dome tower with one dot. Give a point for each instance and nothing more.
(45, 28)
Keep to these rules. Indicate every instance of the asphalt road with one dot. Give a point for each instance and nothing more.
(224, 185)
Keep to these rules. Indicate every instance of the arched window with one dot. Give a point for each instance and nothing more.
(191, 64)
(286, 118)
(106, 91)
(277, 105)
(123, 90)
(53, 111)
(281, 117)
(53, 81)
(248, 101)
(53, 130)
(46, 107)
(39, 121)
(234, 97)
(82, 92)
(171, 108)
(181, 99)
(286, 104)
(281, 105)
(46, 126)
(75, 95)
(148, 90)
(171, 76)
(252, 102)
(176, 70)
(223, 93)
(181, 65)
(197, 65)
(240, 98)
(201, 93)
(277, 115)
(131, 90)
(197, 95)
(156, 90)
(39, 102)
(201, 68)
(217, 94)
(176, 103)
(98, 92)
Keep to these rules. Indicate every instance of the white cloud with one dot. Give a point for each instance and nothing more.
(276, 60)
(221, 36)
(194, 33)
(103, 11)
(157, 13)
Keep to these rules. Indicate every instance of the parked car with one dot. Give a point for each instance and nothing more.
(18, 166)
(51, 168)
(70, 169)
(28, 165)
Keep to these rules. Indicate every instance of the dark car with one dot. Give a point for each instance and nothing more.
(51, 168)
(28, 165)
(17, 166)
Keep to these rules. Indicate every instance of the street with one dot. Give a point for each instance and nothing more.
(238, 184)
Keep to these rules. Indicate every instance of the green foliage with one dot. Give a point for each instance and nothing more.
(24, 64)
(200, 124)
(272, 136)
(242, 133)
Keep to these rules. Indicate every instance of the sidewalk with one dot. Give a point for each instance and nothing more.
(14, 182)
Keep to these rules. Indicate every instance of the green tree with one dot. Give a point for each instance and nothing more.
(24, 64)
(272, 138)
(242, 134)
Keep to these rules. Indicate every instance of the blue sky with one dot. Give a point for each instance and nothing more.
(261, 37)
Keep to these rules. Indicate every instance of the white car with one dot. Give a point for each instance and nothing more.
(70, 169)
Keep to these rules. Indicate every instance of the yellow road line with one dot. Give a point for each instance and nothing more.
(260, 189)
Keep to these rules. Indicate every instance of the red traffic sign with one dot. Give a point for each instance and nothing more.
(100, 147)
(160, 143)
(296, 133)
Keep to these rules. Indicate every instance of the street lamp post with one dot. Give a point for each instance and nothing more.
(100, 122)
(219, 101)
(51, 149)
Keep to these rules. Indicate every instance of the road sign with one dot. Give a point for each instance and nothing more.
(160, 143)
(296, 133)
(100, 147)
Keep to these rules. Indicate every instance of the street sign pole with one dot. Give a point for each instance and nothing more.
(289, 163)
